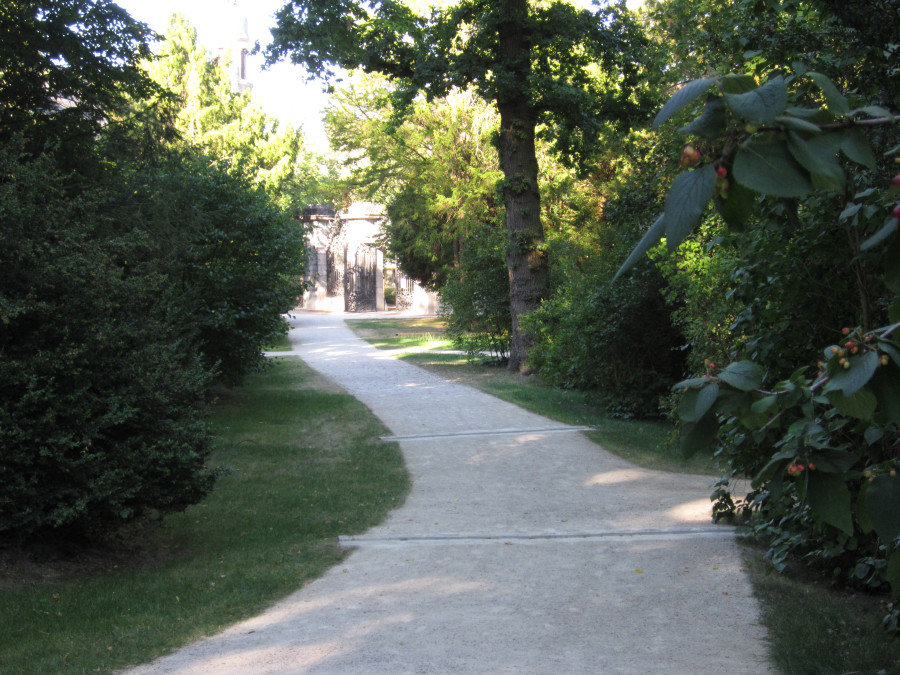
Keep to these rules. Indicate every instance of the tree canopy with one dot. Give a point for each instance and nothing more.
(541, 63)
(135, 271)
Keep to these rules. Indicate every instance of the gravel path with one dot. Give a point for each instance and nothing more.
(522, 548)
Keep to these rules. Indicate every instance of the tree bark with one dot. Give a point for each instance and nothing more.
(526, 257)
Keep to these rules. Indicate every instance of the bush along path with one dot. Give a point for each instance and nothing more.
(820, 443)
(523, 547)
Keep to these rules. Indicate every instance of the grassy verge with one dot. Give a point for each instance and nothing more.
(818, 630)
(304, 467)
(420, 333)
(283, 344)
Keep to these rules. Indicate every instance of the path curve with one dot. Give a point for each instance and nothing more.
(522, 548)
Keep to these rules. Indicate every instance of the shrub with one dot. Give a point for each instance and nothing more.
(100, 402)
(614, 338)
(235, 257)
(475, 297)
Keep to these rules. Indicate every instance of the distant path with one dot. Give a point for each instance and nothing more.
(523, 548)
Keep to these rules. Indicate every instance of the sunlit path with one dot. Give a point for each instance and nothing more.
(523, 548)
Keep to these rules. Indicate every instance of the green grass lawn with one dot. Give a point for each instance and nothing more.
(419, 333)
(304, 467)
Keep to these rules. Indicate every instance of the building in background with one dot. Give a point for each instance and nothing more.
(233, 43)
(347, 267)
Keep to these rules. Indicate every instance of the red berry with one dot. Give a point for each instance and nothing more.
(896, 181)
(795, 469)
(845, 330)
(897, 211)
(721, 172)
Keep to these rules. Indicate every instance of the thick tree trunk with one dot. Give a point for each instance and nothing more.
(526, 257)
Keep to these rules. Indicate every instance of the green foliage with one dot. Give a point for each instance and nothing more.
(475, 298)
(583, 330)
(436, 172)
(131, 274)
(550, 68)
(64, 66)
(214, 119)
(234, 257)
(614, 338)
(815, 447)
(827, 489)
(100, 404)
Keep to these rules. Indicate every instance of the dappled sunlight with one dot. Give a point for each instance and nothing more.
(699, 509)
(437, 587)
(615, 477)
(312, 628)
(270, 659)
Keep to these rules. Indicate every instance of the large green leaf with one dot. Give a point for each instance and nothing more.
(837, 104)
(738, 83)
(817, 155)
(832, 460)
(697, 436)
(798, 124)
(893, 574)
(736, 206)
(765, 164)
(762, 104)
(686, 202)
(648, 241)
(711, 122)
(892, 266)
(829, 500)
(862, 509)
(743, 375)
(889, 227)
(855, 144)
(852, 379)
(695, 403)
(692, 382)
(873, 111)
(882, 504)
(886, 387)
(860, 405)
(775, 465)
(689, 93)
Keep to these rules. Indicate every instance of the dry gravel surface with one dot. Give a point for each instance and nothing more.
(523, 548)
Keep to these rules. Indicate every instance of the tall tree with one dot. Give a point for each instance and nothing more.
(65, 65)
(228, 125)
(545, 65)
(436, 173)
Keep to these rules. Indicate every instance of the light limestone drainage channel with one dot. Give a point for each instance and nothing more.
(483, 432)
(471, 539)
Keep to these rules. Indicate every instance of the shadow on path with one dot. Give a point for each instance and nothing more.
(522, 548)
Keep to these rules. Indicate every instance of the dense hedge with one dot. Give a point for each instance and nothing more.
(614, 338)
(100, 403)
